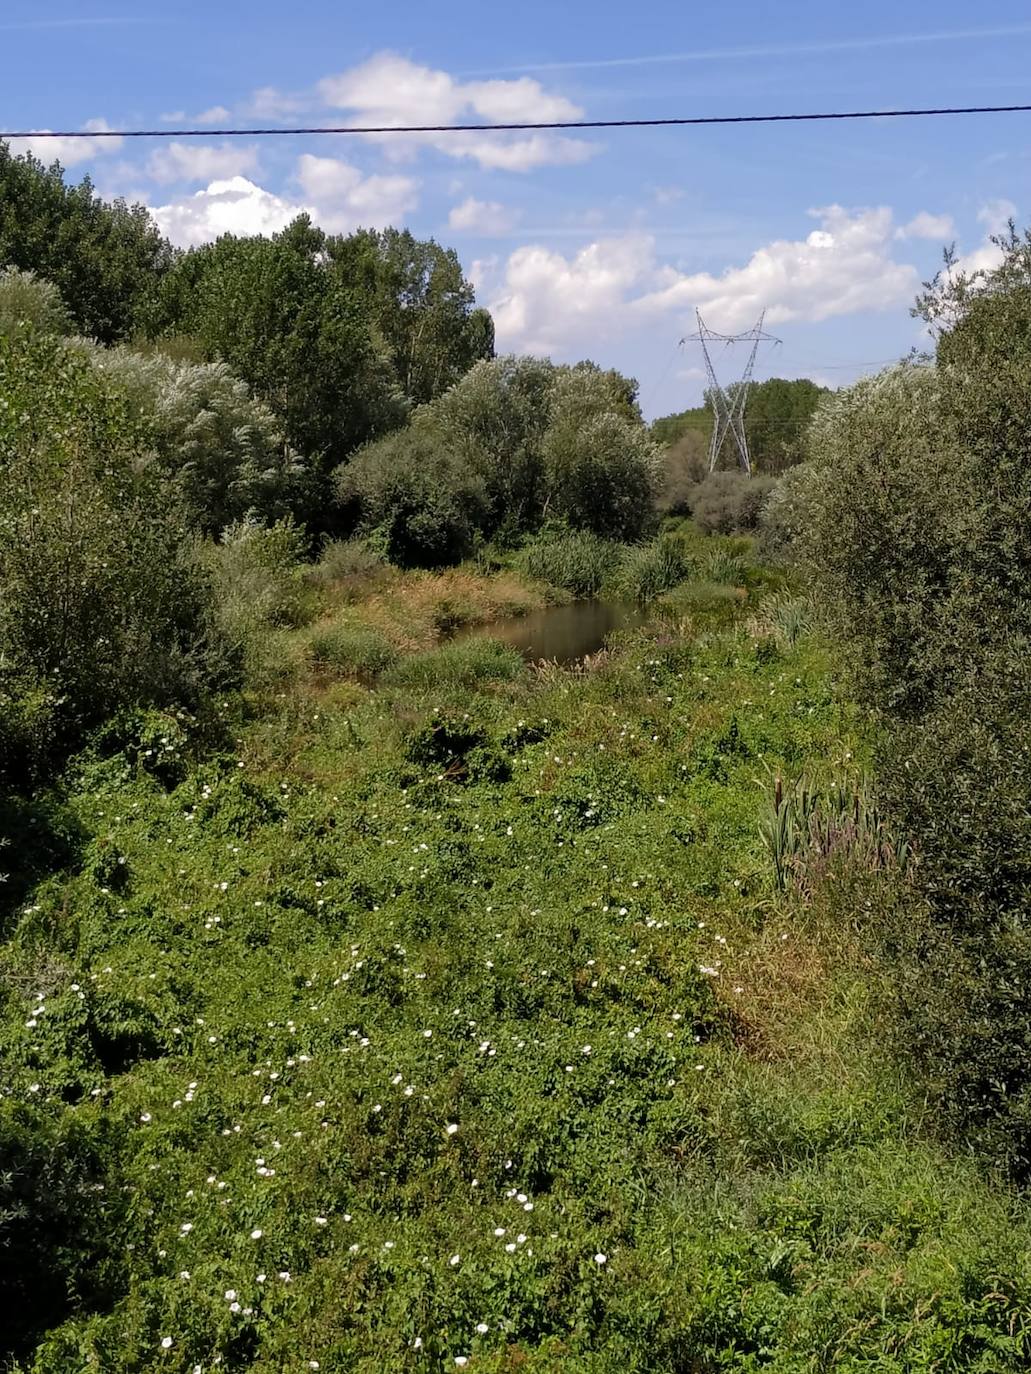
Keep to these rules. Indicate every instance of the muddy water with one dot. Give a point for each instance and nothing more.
(565, 634)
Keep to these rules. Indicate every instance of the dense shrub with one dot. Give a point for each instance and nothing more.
(412, 498)
(915, 524)
(516, 442)
(103, 600)
(220, 448)
(730, 502)
(27, 302)
(344, 559)
(783, 515)
(600, 467)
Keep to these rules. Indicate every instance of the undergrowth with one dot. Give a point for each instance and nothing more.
(460, 1022)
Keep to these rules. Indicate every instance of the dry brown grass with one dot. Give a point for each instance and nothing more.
(417, 610)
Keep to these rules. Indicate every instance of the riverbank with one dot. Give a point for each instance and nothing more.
(450, 1016)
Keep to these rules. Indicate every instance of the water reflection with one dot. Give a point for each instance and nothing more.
(565, 633)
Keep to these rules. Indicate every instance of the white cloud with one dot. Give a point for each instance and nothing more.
(346, 199)
(481, 217)
(336, 195)
(389, 91)
(269, 103)
(69, 151)
(841, 268)
(233, 206)
(216, 115)
(549, 303)
(201, 162)
(927, 226)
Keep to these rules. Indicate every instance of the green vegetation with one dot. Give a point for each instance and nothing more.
(374, 1000)
(914, 519)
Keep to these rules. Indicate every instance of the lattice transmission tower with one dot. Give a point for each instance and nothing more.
(729, 407)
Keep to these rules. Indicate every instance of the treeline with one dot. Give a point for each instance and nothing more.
(173, 424)
(777, 418)
(911, 521)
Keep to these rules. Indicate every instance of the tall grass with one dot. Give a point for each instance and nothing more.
(464, 663)
(578, 562)
(647, 570)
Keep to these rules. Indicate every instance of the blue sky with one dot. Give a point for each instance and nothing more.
(602, 244)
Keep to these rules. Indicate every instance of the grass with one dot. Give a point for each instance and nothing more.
(460, 1023)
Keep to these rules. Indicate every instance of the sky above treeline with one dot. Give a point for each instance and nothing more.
(597, 244)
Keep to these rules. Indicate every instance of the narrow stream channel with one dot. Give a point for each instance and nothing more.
(565, 634)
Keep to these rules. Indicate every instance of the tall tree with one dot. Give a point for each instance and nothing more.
(300, 335)
(105, 258)
(423, 304)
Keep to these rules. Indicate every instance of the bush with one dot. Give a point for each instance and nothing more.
(914, 522)
(104, 602)
(259, 586)
(463, 663)
(783, 515)
(220, 448)
(578, 562)
(413, 499)
(547, 442)
(27, 302)
(353, 651)
(342, 560)
(685, 465)
(600, 466)
(730, 502)
(647, 570)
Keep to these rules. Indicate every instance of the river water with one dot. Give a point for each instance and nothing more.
(565, 634)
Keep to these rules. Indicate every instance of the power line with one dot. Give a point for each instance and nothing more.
(693, 120)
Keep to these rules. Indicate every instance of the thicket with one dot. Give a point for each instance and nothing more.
(105, 258)
(915, 520)
(104, 602)
(515, 443)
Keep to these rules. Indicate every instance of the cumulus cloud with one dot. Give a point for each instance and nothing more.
(926, 226)
(546, 302)
(336, 195)
(201, 162)
(232, 206)
(481, 217)
(389, 91)
(346, 199)
(69, 151)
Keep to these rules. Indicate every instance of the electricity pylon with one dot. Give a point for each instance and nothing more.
(729, 407)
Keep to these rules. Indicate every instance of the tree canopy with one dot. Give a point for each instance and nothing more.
(104, 257)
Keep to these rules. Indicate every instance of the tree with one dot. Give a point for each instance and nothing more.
(105, 258)
(515, 442)
(423, 306)
(220, 448)
(295, 331)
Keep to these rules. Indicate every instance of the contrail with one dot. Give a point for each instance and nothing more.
(897, 40)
